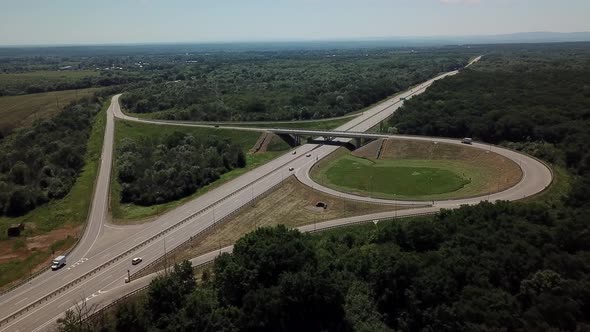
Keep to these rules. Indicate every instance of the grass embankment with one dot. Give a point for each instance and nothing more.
(22, 111)
(126, 213)
(559, 188)
(291, 204)
(55, 226)
(412, 170)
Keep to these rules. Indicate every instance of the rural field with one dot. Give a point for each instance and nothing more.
(23, 110)
(35, 77)
(412, 170)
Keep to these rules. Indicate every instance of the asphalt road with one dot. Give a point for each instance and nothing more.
(98, 265)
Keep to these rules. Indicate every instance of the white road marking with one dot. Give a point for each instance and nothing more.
(21, 301)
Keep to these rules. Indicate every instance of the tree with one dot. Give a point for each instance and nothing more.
(168, 293)
(79, 319)
(258, 260)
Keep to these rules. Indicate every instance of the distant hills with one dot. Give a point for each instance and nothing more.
(366, 43)
(523, 37)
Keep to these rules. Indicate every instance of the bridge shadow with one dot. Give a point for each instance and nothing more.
(347, 145)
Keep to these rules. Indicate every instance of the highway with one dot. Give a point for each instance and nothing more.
(98, 265)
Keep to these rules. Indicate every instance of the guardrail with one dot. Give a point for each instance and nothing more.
(366, 221)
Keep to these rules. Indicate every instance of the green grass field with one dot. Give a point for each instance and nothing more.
(19, 111)
(123, 213)
(403, 179)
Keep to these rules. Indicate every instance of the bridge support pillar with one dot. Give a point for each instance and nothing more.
(293, 141)
(358, 142)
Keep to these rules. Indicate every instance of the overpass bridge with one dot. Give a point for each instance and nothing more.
(293, 136)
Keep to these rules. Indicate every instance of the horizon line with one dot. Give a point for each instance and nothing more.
(297, 40)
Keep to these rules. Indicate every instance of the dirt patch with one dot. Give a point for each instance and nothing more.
(371, 150)
(21, 247)
(263, 142)
(290, 204)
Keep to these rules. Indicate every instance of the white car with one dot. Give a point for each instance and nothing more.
(291, 168)
(136, 261)
(308, 155)
(294, 152)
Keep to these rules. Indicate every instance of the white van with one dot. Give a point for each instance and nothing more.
(58, 262)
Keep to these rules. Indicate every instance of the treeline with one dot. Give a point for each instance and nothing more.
(483, 268)
(42, 163)
(158, 170)
(8, 88)
(287, 88)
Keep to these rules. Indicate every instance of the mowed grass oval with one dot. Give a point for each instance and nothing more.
(394, 177)
(416, 170)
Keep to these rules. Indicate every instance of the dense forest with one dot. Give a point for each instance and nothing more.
(492, 267)
(158, 170)
(41, 163)
(293, 87)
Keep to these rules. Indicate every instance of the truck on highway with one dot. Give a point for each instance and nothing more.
(58, 262)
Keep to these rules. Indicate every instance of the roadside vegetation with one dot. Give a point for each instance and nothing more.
(41, 163)
(54, 226)
(222, 155)
(156, 170)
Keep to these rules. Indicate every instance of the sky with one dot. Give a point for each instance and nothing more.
(32, 22)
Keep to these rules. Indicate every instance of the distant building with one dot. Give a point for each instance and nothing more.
(66, 68)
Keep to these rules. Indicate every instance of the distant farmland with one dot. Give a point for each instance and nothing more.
(45, 76)
(18, 111)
